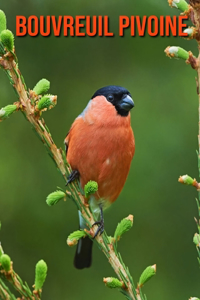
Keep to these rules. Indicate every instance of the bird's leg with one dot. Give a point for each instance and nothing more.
(100, 223)
(73, 176)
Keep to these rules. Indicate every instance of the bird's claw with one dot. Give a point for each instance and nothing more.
(73, 176)
(100, 229)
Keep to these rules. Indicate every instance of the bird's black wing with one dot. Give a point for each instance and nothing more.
(66, 142)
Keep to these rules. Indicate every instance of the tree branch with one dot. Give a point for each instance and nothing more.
(193, 12)
(32, 104)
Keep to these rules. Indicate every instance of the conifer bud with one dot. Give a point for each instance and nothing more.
(2, 21)
(113, 283)
(6, 111)
(74, 237)
(186, 180)
(42, 87)
(55, 197)
(40, 274)
(147, 274)
(47, 101)
(5, 262)
(90, 188)
(191, 32)
(177, 52)
(7, 38)
(196, 239)
(123, 227)
(180, 4)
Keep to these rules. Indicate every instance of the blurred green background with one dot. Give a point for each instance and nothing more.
(165, 123)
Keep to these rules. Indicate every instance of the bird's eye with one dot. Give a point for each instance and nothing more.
(110, 97)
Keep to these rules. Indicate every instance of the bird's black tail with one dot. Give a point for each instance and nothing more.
(83, 256)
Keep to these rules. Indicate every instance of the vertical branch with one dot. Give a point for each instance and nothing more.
(198, 86)
(192, 10)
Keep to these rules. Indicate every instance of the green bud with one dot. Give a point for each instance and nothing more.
(186, 180)
(55, 197)
(194, 298)
(147, 274)
(7, 39)
(47, 101)
(42, 87)
(113, 282)
(123, 226)
(6, 111)
(2, 21)
(90, 188)
(40, 274)
(196, 239)
(5, 262)
(74, 237)
(177, 52)
(191, 31)
(180, 4)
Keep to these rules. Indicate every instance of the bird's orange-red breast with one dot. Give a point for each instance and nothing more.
(100, 144)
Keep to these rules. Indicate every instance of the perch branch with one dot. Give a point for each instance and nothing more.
(32, 104)
(27, 107)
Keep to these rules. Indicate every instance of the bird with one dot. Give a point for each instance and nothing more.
(100, 146)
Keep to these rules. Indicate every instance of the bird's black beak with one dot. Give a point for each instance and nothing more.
(126, 103)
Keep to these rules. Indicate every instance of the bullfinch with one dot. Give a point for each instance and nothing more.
(100, 146)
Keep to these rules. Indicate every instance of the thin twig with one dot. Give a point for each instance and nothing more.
(198, 70)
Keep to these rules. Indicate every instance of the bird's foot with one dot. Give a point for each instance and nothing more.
(100, 229)
(100, 223)
(73, 176)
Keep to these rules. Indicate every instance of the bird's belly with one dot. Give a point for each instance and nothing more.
(113, 176)
(109, 170)
(103, 156)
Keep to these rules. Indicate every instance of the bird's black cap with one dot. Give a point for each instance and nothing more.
(118, 96)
